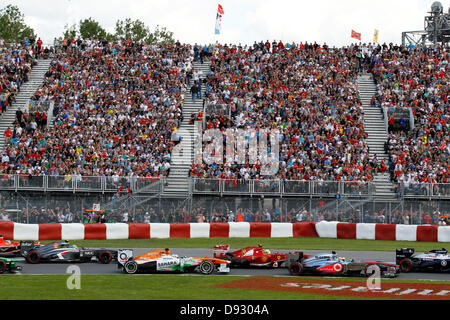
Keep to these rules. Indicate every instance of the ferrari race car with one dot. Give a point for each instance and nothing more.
(434, 260)
(9, 264)
(331, 264)
(64, 252)
(164, 261)
(251, 257)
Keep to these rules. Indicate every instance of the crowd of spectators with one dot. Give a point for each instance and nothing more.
(61, 214)
(115, 106)
(416, 79)
(308, 92)
(16, 62)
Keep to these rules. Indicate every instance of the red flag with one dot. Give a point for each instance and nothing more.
(220, 10)
(356, 35)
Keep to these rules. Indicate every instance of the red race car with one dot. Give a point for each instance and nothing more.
(12, 249)
(8, 248)
(251, 257)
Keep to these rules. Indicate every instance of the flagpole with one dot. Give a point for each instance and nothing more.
(218, 26)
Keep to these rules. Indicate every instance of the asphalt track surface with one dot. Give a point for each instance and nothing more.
(112, 268)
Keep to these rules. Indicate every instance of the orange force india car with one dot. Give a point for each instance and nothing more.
(163, 261)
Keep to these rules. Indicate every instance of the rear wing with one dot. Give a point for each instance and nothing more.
(123, 255)
(294, 257)
(27, 246)
(404, 253)
(221, 250)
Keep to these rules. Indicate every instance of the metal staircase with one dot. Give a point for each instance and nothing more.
(27, 89)
(375, 126)
(177, 183)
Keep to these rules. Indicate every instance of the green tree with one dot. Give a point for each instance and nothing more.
(91, 29)
(137, 31)
(131, 30)
(162, 35)
(70, 32)
(12, 25)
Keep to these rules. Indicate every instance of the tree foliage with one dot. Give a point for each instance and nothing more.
(91, 29)
(70, 32)
(131, 30)
(12, 25)
(161, 35)
(127, 29)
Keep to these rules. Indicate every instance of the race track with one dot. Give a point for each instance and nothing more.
(97, 268)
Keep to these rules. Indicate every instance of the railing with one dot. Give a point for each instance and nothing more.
(425, 190)
(280, 188)
(310, 188)
(73, 183)
(151, 185)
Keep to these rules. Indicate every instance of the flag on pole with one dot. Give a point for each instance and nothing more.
(356, 35)
(220, 10)
(220, 13)
(375, 36)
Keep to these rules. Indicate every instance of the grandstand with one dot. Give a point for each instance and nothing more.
(363, 131)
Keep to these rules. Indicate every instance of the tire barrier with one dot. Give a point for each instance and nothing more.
(117, 231)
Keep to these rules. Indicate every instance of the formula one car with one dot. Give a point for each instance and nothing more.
(251, 257)
(434, 260)
(164, 261)
(331, 264)
(12, 249)
(8, 248)
(9, 264)
(64, 252)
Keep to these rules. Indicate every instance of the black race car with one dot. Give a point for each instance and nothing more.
(64, 252)
(434, 260)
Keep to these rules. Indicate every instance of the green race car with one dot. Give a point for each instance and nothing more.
(9, 264)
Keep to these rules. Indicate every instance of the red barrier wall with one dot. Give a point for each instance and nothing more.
(139, 231)
(94, 231)
(385, 232)
(219, 230)
(304, 229)
(180, 230)
(346, 230)
(427, 233)
(7, 230)
(260, 230)
(49, 231)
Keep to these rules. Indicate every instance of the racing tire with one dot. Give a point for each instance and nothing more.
(206, 267)
(296, 269)
(2, 266)
(443, 266)
(33, 257)
(130, 267)
(406, 265)
(105, 257)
